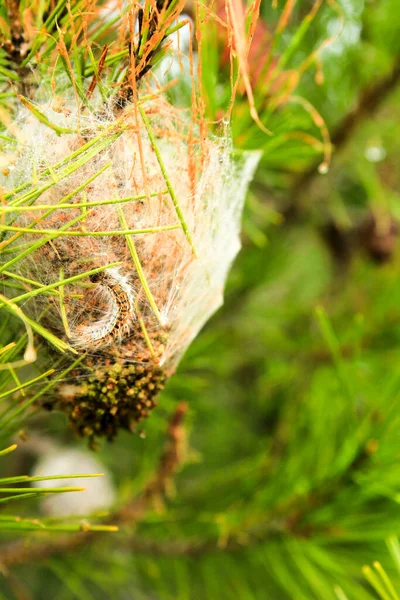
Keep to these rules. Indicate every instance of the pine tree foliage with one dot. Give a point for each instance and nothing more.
(270, 467)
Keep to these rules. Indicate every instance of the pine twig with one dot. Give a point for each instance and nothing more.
(369, 102)
(171, 459)
(15, 46)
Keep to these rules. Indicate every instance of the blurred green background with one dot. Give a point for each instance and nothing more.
(291, 482)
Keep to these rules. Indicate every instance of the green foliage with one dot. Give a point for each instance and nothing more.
(291, 484)
(12, 523)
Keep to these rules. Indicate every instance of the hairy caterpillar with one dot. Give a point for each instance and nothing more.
(118, 317)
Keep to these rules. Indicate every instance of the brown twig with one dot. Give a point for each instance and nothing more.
(15, 46)
(369, 102)
(153, 29)
(172, 458)
(170, 461)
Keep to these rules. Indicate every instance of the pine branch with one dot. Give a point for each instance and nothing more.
(15, 46)
(155, 23)
(368, 103)
(289, 519)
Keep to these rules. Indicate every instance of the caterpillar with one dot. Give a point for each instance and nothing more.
(117, 320)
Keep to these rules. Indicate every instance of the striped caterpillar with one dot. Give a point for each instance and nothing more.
(117, 320)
